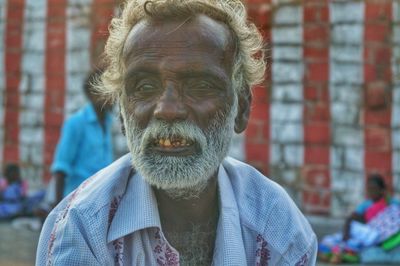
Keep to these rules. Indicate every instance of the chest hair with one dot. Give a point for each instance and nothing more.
(195, 246)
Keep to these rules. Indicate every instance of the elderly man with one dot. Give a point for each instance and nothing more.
(181, 71)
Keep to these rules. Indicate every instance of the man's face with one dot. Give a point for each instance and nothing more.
(178, 104)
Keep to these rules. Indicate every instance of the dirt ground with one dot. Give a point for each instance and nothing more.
(17, 246)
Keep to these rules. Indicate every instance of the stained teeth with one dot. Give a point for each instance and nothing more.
(167, 143)
(172, 143)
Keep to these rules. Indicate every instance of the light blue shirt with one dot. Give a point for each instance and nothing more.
(113, 219)
(84, 147)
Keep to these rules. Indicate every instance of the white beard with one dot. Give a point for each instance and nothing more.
(180, 176)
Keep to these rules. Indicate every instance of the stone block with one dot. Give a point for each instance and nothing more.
(236, 149)
(253, 130)
(37, 83)
(78, 61)
(286, 112)
(347, 34)
(30, 118)
(396, 96)
(378, 160)
(344, 53)
(34, 63)
(317, 72)
(74, 82)
(396, 140)
(260, 112)
(287, 35)
(33, 102)
(346, 11)
(35, 10)
(276, 153)
(346, 73)
(30, 135)
(337, 157)
(348, 186)
(290, 177)
(288, 14)
(34, 37)
(289, 93)
(317, 133)
(286, 72)
(257, 152)
(78, 38)
(287, 132)
(317, 155)
(287, 52)
(378, 138)
(293, 155)
(354, 158)
(346, 94)
(344, 114)
(347, 136)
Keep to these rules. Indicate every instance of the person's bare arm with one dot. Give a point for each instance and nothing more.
(353, 217)
(60, 182)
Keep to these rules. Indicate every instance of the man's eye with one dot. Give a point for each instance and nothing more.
(203, 86)
(202, 89)
(146, 88)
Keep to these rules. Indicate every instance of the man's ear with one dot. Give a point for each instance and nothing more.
(121, 123)
(242, 116)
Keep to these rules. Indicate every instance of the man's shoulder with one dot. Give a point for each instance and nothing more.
(250, 184)
(266, 208)
(98, 191)
(78, 116)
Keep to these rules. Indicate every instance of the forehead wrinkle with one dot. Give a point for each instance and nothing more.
(208, 29)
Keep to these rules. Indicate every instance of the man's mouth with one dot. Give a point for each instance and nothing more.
(174, 146)
(172, 142)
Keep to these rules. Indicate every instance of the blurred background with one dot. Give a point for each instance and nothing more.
(326, 116)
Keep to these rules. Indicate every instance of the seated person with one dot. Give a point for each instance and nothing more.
(378, 199)
(13, 191)
(357, 232)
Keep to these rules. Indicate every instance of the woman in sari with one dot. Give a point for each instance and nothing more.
(357, 234)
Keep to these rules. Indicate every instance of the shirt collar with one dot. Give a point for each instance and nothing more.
(136, 210)
(229, 242)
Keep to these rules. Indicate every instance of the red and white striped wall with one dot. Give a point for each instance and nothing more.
(396, 96)
(327, 115)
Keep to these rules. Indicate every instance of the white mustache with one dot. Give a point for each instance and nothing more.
(179, 130)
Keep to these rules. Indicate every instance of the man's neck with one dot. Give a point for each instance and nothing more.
(182, 212)
(194, 217)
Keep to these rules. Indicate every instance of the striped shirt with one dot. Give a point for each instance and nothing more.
(112, 219)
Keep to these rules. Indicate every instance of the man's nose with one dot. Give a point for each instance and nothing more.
(170, 106)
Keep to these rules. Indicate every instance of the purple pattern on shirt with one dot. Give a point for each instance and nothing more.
(166, 256)
(61, 216)
(262, 252)
(118, 244)
(113, 209)
(119, 251)
(303, 261)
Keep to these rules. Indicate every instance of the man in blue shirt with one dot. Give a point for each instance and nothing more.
(85, 145)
